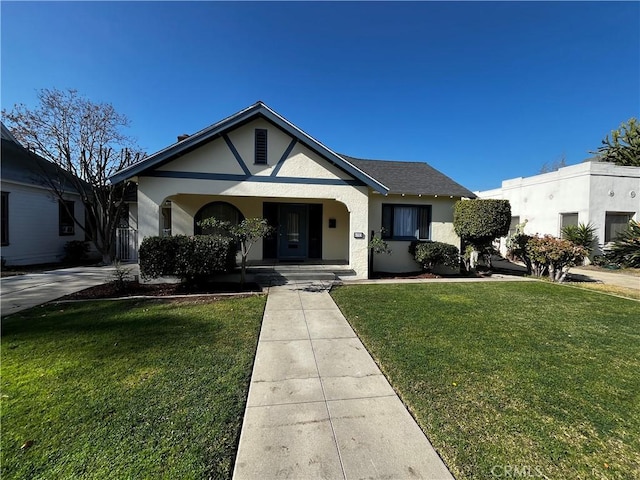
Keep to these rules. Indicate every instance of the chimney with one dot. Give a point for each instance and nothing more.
(182, 137)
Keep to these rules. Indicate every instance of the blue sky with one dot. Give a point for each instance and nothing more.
(483, 91)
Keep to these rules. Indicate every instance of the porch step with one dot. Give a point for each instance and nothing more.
(299, 273)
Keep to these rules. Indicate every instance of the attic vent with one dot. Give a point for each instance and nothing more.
(261, 146)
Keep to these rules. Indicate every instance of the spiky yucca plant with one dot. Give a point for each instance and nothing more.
(626, 248)
(581, 234)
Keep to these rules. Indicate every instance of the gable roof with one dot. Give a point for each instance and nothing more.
(257, 110)
(23, 166)
(411, 178)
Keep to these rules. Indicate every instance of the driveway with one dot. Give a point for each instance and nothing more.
(608, 278)
(25, 291)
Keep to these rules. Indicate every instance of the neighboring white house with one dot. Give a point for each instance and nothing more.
(35, 226)
(602, 194)
(324, 205)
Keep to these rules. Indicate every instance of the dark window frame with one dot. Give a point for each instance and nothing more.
(261, 147)
(610, 236)
(66, 222)
(4, 228)
(388, 217)
(199, 214)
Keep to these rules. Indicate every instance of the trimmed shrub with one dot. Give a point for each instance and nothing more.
(480, 221)
(430, 254)
(157, 256)
(75, 251)
(553, 256)
(193, 259)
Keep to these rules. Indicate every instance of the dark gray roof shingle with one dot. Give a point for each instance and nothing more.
(410, 178)
(21, 165)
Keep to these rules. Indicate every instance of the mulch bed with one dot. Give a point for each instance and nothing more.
(133, 289)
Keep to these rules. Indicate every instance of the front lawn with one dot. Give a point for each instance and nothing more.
(518, 379)
(126, 389)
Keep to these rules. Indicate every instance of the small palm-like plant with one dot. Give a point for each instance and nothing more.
(626, 248)
(581, 235)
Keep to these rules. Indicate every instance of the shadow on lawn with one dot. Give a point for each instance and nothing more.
(112, 323)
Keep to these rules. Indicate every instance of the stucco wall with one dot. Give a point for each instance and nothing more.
(33, 226)
(346, 203)
(441, 229)
(590, 189)
(216, 157)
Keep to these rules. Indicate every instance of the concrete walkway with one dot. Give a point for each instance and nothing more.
(318, 405)
(25, 291)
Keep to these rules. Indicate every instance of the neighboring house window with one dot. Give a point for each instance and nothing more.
(261, 146)
(614, 224)
(4, 233)
(567, 219)
(222, 211)
(65, 217)
(406, 222)
(515, 221)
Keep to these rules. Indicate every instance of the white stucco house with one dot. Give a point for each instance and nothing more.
(35, 225)
(602, 194)
(324, 205)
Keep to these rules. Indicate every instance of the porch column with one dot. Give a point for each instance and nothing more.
(148, 216)
(358, 206)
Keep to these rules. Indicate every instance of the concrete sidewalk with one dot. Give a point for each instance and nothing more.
(25, 291)
(318, 405)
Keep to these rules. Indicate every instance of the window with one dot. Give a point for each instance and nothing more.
(222, 211)
(4, 233)
(65, 218)
(567, 219)
(261, 146)
(513, 226)
(406, 222)
(614, 224)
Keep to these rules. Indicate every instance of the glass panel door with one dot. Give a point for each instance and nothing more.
(292, 235)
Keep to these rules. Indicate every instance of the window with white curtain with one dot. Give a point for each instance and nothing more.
(406, 222)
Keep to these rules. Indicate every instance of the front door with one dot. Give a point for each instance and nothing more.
(293, 238)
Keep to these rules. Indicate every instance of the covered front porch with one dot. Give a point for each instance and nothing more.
(308, 232)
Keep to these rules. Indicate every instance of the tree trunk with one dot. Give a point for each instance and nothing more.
(243, 268)
(473, 260)
(107, 259)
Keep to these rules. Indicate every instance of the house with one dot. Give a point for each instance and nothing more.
(602, 194)
(35, 224)
(324, 205)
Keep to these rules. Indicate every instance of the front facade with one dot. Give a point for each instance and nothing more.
(35, 225)
(322, 204)
(603, 194)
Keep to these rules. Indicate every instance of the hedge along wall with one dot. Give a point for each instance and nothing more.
(189, 258)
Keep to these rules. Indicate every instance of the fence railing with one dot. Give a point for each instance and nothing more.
(127, 245)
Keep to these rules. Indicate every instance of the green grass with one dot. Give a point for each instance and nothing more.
(126, 389)
(608, 288)
(522, 374)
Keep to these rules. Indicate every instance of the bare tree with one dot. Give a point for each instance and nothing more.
(554, 166)
(85, 140)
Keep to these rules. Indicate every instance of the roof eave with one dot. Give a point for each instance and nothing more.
(216, 129)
